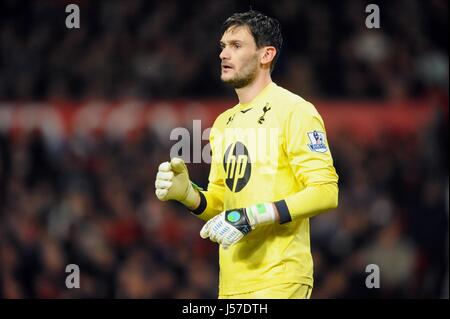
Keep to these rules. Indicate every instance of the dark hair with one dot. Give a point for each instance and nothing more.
(264, 29)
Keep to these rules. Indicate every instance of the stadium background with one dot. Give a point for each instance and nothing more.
(86, 114)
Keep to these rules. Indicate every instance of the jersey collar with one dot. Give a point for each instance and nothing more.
(261, 95)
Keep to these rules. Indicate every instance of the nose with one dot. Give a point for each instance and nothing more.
(224, 54)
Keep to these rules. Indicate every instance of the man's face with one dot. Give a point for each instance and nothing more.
(240, 57)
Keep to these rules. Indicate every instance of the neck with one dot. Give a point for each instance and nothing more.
(249, 92)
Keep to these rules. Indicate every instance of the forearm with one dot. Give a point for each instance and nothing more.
(230, 226)
(210, 203)
(307, 203)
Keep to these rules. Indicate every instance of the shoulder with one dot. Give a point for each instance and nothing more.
(293, 104)
(223, 118)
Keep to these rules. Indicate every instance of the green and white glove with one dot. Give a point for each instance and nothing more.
(173, 183)
(228, 227)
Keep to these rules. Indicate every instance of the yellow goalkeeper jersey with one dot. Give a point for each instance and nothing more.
(273, 149)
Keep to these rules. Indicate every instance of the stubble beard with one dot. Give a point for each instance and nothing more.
(244, 77)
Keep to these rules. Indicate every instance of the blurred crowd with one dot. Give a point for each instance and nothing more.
(169, 49)
(91, 203)
(393, 213)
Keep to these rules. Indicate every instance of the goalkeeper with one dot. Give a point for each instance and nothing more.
(258, 203)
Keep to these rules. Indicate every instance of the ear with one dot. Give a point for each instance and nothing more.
(268, 54)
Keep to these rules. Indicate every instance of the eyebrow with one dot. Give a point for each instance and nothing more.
(231, 42)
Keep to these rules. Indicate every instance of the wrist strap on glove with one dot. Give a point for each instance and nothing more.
(246, 219)
(190, 196)
(239, 220)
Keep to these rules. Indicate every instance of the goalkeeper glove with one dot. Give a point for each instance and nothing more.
(172, 182)
(228, 227)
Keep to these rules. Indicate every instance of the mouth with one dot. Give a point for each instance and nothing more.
(226, 67)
